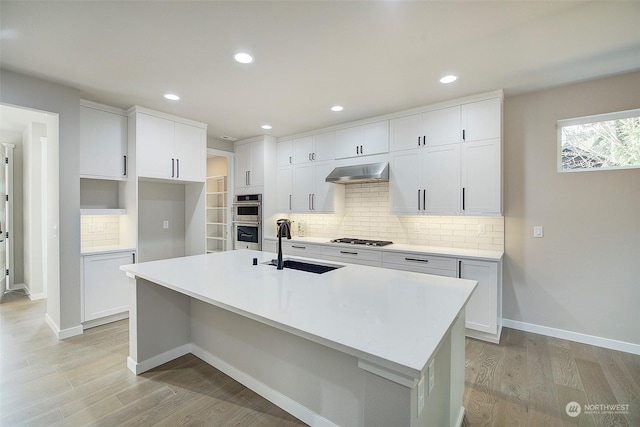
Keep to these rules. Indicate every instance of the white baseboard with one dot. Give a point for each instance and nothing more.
(291, 406)
(105, 320)
(64, 333)
(140, 367)
(459, 421)
(626, 347)
(34, 297)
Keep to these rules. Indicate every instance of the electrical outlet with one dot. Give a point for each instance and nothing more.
(482, 230)
(165, 224)
(420, 395)
(416, 226)
(538, 231)
(432, 374)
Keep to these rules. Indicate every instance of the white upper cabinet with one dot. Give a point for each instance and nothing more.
(436, 127)
(190, 152)
(441, 127)
(284, 153)
(481, 185)
(249, 164)
(168, 149)
(310, 192)
(284, 187)
(103, 142)
(452, 175)
(314, 148)
(364, 140)
(482, 120)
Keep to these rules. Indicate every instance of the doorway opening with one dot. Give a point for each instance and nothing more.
(218, 200)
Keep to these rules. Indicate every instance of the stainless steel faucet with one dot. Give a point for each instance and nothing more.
(284, 226)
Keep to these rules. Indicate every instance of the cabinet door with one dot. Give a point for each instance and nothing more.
(482, 311)
(481, 120)
(190, 151)
(481, 176)
(322, 194)
(323, 146)
(105, 287)
(302, 149)
(375, 138)
(256, 172)
(154, 146)
(442, 126)
(103, 144)
(284, 189)
(302, 187)
(405, 180)
(348, 142)
(242, 165)
(284, 153)
(442, 179)
(404, 132)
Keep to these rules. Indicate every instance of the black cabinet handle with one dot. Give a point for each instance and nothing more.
(418, 199)
(463, 135)
(424, 199)
(289, 201)
(418, 141)
(416, 260)
(134, 258)
(463, 201)
(459, 269)
(178, 168)
(173, 168)
(289, 159)
(125, 165)
(361, 150)
(298, 247)
(357, 150)
(349, 253)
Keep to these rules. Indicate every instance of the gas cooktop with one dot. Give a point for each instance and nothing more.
(354, 241)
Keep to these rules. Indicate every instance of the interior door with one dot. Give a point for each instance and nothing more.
(6, 199)
(3, 223)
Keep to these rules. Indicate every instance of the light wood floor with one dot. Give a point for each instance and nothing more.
(527, 380)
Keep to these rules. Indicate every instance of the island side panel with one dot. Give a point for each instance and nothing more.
(457, 369)
(159, 325)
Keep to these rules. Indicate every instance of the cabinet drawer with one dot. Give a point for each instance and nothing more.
(353, 255)
(420, 263)
(300, 249)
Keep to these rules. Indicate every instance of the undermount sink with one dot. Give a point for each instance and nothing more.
(310, 267)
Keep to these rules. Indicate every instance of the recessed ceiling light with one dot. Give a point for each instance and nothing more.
(448, 79)
(243, 58)
(337, 108)
(267, 127)
(171, 97)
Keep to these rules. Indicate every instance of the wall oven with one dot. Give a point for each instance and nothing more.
(247, 222)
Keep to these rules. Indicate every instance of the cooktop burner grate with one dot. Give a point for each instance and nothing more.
(355, 241)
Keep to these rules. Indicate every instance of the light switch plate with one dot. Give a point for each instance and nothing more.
(165, 224)
(432, 375)
(538, 231)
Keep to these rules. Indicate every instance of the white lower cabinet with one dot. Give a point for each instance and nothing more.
(484, 309)
(105, 287)
(350, 254)
(408, 261)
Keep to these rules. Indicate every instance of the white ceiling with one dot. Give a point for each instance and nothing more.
(373, 57)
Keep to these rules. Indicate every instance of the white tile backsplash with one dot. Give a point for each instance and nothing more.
(367, 216)
(99, 230)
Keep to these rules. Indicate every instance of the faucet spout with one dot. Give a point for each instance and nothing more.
(283, 227)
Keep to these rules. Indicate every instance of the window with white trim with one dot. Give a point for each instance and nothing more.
(600, 142)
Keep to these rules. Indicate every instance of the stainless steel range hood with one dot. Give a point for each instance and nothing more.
(372, 172)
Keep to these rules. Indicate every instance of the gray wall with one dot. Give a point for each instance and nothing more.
(584, 275)
(219, 144)
(63, 304)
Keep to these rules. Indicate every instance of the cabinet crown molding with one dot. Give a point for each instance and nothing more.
(138, 109)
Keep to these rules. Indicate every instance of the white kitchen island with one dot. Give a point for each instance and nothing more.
(356, 346)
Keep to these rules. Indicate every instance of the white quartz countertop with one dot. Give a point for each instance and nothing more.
(479, 254)
(393, 318)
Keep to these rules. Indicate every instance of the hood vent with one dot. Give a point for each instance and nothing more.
(373, 172)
